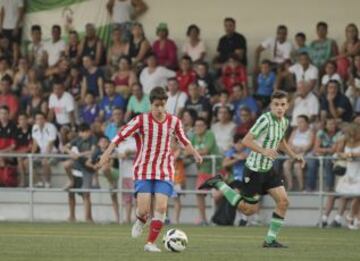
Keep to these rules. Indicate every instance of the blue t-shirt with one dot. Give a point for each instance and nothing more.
(89, 113)
(266, 84)
(246, 102)
(108, 105)
(111, 130)
(238, 167)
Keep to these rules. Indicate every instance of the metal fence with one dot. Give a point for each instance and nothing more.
(31, 189)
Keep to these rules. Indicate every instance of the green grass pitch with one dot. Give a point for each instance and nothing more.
(55, 242)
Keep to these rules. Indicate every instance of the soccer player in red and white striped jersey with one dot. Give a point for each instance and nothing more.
(154, 162)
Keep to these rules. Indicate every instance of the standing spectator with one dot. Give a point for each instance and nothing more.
(194, 47)
(204, 142)
(323, 48)
(301, 47)
(117, 49)
(330, 68)
(139, 46)
(176, 98)
(246, 121)
(185, 75)
(164, 48)
(90, 111)
(92, 46)
(279, 47)
(36, 49)
(139, 101)
(123, 12)
(72, 47)
(112, 127)
(7, 98)
(231, 43)
(93, 80)
(37, 102)
(198, 103)
(239, 99)
(110, 101)
(206, 81)
(11, 21)
(335, 104)
(306, 103)
(233, 73)
(44, 135)
(154, 75)
(54, 48)
(124, 77)
(353, 90)
(301, 141)
(224, 129)
(265, 84)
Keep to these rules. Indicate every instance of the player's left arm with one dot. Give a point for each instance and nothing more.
(283, 146)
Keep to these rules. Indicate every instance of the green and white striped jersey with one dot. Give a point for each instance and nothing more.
(268, 132)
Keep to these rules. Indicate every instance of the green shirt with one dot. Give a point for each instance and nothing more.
(268, 132)
(136, 106)
(206, 141)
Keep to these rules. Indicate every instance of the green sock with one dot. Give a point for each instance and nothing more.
(275, 225)
(231, 195)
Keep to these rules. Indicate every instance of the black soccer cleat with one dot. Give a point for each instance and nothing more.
(273, 244)
(210, 183)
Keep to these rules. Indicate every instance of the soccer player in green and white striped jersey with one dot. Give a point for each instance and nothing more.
(265, 138)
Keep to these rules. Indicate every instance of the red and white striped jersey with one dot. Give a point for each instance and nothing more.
(154, 159)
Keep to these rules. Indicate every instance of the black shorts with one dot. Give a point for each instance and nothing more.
(255, 183)
(8, 33)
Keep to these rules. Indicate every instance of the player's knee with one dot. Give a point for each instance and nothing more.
(283, 203)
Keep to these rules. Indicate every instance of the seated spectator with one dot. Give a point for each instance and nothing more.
(198, 103)
(204, 142)
(353, 90)
(325, 145)
(305, 71)
(206, 81)
(124, 77)
(89, 113)
(138, 102)
(188, 119)
(61, 71)
(301, 46)
(44, 136)
(323, 48)
(93, 80)
(117, 49)
(285, 80)
(110, 101)
(4, 68)
(111, 128)
(305, 103)
(231, 43)
(185, 75)
(55, 47)
(330, 74)
(246, 121)
(21, 77)
(139, 46)
(91, 46)
(224, 101)
(224, 129)
(280, 48)
(265, 84)
(301, 141)
(154, 75)
(75, 81)
(7, 98)
(37, 102)
(233, 73)
(164, 48)
(176, 98)
(23, 138)
(335, 104)
(194, 47)
(72, 48)
(239, 99)
(80, 149)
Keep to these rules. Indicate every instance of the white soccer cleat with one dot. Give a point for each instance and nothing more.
(151, 247)
(137, 229)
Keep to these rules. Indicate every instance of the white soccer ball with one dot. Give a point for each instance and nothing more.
(175, 240)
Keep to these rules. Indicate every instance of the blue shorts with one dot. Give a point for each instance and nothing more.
(154, 186)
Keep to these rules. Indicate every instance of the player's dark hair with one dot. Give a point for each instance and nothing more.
(158, 93)
(305, 117)
(36, 27)
(192, 27)
(84, 127)
(279, 95)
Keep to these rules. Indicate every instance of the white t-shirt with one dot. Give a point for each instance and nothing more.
(176, 102)
(122, 11)
(194, 51)
(11, 12)
(54, 51)
(224, 135)
(37, 51)
(62, 107)
(308, 106)
(158, 78)
(281, 52)
(126, 165)
(44, 136)
(312, 73)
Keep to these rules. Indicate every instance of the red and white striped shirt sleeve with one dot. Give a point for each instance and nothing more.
(180, 134)
(128, 130)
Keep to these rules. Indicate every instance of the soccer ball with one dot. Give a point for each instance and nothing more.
(175, 240)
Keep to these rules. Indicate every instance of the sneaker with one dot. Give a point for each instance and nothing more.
(335, 224)
(151, 247)
(273, 244)
(137, 229)
(210, 183)
(242, 223)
